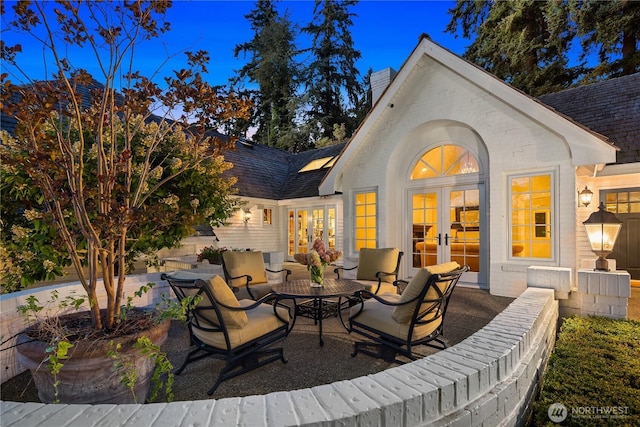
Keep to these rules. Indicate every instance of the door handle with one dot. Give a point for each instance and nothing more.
(446, 239)
(439, 239)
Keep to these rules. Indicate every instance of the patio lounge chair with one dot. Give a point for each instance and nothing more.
(395, 324)
(377, 269)
(246, 273)
(240, 332)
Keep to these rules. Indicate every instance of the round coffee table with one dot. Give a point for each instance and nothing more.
(319, 302)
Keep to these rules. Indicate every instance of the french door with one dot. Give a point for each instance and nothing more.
(447, 224)
(305, 225)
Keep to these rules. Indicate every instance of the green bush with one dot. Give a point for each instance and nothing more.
(594, 371)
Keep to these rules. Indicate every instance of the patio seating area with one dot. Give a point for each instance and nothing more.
(309, 364)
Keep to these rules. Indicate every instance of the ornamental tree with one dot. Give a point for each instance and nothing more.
(101, 168)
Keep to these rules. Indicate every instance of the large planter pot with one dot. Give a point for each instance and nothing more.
(88, 375)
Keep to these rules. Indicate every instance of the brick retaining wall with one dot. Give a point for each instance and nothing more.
(488, 379)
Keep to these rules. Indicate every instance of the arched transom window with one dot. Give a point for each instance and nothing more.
(445, 160)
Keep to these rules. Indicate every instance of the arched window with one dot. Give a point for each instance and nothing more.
(445, 160)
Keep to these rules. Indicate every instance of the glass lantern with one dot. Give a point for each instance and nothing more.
(602, 229)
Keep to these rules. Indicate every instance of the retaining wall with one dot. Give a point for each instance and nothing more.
(489, 379)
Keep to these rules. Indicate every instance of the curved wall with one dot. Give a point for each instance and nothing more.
(488, 379)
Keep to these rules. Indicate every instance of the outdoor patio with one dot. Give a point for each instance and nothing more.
(308, 364)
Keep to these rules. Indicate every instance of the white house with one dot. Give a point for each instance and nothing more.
(453, 163)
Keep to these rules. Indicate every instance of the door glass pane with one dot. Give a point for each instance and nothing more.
(291, 227)
(464, 211)
(331, 228)
(318, 223)
(425, 229)
(303, 234)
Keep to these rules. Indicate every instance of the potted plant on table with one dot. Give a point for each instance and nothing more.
(91, 178)
(317, 260)
(211, 254)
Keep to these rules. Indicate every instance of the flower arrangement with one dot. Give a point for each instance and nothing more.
(211, 254)
(316, 260)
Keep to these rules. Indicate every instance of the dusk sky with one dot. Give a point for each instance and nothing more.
(385, 32)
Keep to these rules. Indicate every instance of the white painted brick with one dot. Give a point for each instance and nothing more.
(369, 412)
(430, 393)
(619, 312)
(481, 356)
(91, 415)
(481, 368)
(502, 353)
(460, 381)
(252, 411)
(611, 300)
(483, 408)
(411, 398)
(556, 278)
(390, 403)
(118, 416)
(445, 386)
(472, 375)
(226, 412)
(280, 409)
(194, 413)
(457, 419)
(508, 397)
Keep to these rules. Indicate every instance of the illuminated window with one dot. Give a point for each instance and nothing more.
(267, 216)
(325, 162)
(365, 220)
(445, 160)
(623, 201)
(531, 216)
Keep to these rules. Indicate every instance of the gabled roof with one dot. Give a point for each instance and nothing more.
(610, 107)
(586, 147)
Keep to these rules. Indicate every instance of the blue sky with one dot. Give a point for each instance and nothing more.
(385, 32)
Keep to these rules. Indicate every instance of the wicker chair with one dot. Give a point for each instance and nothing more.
(395, 324)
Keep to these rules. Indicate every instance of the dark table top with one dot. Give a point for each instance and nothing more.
(331, 288)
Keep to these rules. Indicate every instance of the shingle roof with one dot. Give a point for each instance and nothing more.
(271, 173)
(610, 107)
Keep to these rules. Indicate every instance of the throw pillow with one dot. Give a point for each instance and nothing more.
(223, 293)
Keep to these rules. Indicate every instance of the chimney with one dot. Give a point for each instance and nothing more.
(380, 80)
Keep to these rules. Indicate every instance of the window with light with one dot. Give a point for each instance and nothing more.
(365, 208)
(531, 216)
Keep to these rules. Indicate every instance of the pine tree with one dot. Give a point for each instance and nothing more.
(331, 71)
(272, 67)
(523, 42)
(613, 28)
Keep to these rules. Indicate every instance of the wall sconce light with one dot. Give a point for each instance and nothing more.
(584, 197)
(602, 229)
(246, 216)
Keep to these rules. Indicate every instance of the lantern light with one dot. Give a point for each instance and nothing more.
(602, 229)
(246, 216)
(584, 197)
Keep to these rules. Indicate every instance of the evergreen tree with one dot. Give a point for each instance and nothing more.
(524, 42)
(613, 28)
(331, 71)
(272, 67)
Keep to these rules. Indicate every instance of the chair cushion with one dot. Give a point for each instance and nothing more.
(372, 261)
(259, 290)
(223, 293)
(403, 314)
(379, 316)
(261, 321)
(241, 263)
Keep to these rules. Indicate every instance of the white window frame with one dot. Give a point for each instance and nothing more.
(354, 194)
(553, 216)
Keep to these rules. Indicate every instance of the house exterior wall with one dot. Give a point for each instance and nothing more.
(435, 103)
(254, 234)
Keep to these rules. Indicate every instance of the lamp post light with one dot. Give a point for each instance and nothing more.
(602, 229)
(246, 215)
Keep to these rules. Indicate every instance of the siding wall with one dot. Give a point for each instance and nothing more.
(435, 105)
